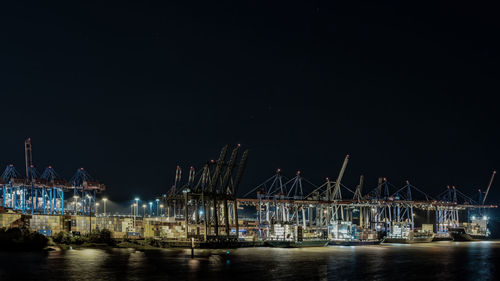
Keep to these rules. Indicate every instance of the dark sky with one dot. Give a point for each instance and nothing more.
(131, 89)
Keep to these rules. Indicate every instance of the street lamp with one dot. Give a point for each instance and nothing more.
(157, 207)
(96, 208)
(144, 210)
(161, 208)
(88, 204)
(104, 200)
(76, 198)
(135, 211)
(150, 208)
(137, 204)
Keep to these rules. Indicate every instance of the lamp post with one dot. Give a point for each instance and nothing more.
(161, 209)
(104, 200)
(135, 209)
(150, 208)
(76, 198)
(96, 209)
(143, 210)
(136, 204)
(157, 207)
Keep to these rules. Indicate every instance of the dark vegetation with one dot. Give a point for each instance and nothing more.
(24, 239)
(97, 236)
(21, 239)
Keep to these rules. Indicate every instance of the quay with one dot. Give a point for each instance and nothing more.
(205, 211)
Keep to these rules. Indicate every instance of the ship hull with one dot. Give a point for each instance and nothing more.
(460, 235)
(353, 242)
(299, 244)
(408, 240)
(442, 238)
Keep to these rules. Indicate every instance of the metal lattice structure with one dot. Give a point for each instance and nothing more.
(207, 201)
(44, 193)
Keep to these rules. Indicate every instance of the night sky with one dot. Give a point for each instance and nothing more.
(130, 90)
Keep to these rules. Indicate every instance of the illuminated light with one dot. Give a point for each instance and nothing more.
(150, 203)
(161, 206)
(473, 217)
(104, 199)
(144, 205)
(136, 198)
(485, 217)
(201, 212)
(279, 170)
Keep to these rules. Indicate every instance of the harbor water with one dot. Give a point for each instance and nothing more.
(437, 261)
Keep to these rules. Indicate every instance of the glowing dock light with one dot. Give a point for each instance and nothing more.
(485, 217)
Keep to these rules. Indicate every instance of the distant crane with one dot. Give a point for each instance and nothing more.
(359, 189)
(336, 190)
(489, 185)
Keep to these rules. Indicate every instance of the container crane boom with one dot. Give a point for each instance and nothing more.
(489, 185)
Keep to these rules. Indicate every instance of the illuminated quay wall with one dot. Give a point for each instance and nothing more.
(120, 226)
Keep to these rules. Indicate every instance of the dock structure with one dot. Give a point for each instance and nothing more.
(282, 201)
(209, 205)
(205, 206)
(44, 193)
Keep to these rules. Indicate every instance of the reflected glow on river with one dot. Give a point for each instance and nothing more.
(438, 260)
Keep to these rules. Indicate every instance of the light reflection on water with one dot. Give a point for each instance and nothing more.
(439, 261)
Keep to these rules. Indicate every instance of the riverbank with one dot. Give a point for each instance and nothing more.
(122, 245)
(148, 244)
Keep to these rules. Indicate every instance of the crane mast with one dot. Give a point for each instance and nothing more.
(489, 185)
(28, 157)
(336, 190)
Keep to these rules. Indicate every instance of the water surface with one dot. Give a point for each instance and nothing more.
(439, 261)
